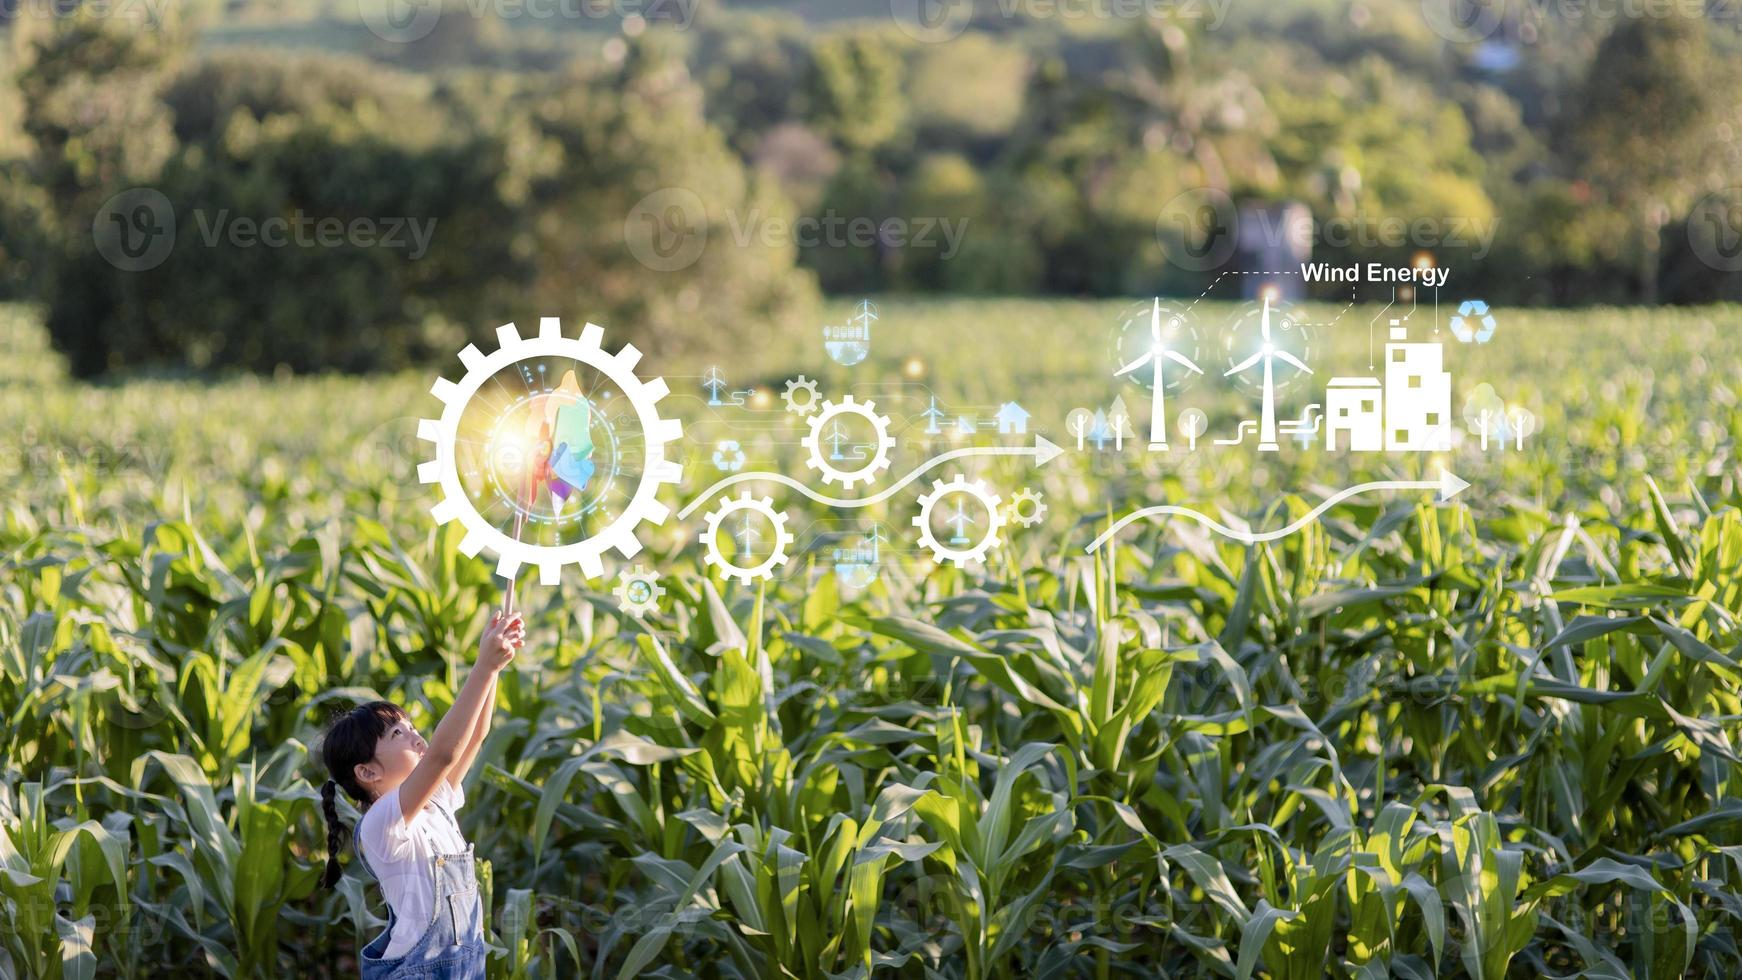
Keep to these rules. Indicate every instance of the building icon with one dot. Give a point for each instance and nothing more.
(1418, 395)
(1411, 413)
(1012, 418)
(1355, 406)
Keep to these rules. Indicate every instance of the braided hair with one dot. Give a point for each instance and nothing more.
(350, 742)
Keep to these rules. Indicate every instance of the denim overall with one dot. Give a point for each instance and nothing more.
(452, 945)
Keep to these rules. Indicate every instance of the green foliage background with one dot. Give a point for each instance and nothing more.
(1569, 159)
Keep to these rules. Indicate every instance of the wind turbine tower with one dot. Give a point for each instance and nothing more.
(1269, 353)
(1153, 357)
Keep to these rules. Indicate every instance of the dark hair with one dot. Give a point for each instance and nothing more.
(350, 742)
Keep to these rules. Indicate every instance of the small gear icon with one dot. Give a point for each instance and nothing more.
(797, 406)
(776, 556)
(883, 441)
(638, 591)
(643, 504)
(1037, 507)
(994, 520)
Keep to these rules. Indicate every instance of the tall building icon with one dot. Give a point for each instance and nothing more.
(1412, 412)
(1418, 395)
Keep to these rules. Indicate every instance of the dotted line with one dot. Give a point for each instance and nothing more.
(1238, 272)
(1340, 313)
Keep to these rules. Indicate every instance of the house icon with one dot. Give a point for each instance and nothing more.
(1012, 419)
(1409, 412)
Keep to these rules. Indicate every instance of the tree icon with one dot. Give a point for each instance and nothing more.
(1192, 422)
(1484, 413)
(1080, 423)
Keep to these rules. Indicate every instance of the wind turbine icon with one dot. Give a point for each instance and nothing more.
(1158, 397)
(1269, 354)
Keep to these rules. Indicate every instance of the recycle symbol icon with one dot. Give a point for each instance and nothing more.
(729, 456)
(1473, 324)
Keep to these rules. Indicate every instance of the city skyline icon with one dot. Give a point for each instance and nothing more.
(1410, 411)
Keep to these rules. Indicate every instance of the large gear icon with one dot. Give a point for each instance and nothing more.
(711, 545)
(994, 520)
(638, 591)
(619, 369)
(1037, 507)
(793, 386)
(883, 441)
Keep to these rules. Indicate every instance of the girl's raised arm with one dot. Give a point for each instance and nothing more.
(480, 728)
(501, 638)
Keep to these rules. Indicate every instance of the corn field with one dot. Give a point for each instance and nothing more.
(1486, 738)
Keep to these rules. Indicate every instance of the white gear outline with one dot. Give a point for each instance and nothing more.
(1027, 495)
(711, 546)
(977, 489)
(633, 576)
(643, 505)
(879, 459)
(801, 383)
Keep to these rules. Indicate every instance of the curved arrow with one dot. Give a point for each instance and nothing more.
(1043, 451)
(1448, 486)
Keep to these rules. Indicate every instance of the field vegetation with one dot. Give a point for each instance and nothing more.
(1487, 738)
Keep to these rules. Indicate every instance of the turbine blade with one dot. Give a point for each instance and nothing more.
(1290, 358)
(1243, 365)
(1134, 365)
(1182, 359)
(1155, 320)
(1264, 325)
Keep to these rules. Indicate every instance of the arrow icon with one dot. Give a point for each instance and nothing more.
(1044, 451)
(1449, 485)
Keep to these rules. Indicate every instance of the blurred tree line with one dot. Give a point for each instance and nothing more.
(1571, 162)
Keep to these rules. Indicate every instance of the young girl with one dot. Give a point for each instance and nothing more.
(408, 838)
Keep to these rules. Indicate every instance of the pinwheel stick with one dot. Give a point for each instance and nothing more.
(519, 526)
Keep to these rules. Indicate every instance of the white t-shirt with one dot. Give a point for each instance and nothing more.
(400, 853)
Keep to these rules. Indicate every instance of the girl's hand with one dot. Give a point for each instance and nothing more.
(505, 635)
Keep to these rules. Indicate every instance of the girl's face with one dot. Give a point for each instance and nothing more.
(396, 754)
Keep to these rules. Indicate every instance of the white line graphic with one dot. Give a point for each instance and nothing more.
(1448, 486)
(1043, 451)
